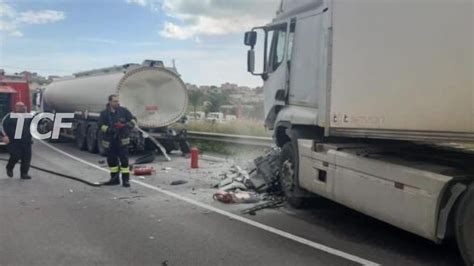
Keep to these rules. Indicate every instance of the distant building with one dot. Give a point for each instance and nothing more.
(229, 86)
(52, 78)
(244, 88)
(192, 87)
(205, 89)
(214, 89)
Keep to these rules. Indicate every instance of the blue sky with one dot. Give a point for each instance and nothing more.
(60, 37)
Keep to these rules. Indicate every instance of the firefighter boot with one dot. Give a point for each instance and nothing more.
(126, 180)
(25, 177)
(114, 180)
(125, 171)
(9, 173)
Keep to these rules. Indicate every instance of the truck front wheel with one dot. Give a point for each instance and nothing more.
(288, 175)
(465, 226)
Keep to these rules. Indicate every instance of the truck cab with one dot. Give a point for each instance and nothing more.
(358, 97)
(292, 56)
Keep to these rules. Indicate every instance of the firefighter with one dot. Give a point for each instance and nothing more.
(19, 149)
(116, 123)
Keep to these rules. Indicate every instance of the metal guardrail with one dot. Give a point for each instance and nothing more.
(232, 139)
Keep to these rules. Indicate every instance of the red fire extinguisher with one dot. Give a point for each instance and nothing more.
(143, 171)
(194, 158)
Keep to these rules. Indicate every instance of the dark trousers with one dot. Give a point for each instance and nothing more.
(117, 156)
(19, 151)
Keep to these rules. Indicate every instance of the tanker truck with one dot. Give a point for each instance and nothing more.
(153, 93)
(364, 99)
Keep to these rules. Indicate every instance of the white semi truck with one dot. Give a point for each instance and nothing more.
(358, 95)
(153, 93)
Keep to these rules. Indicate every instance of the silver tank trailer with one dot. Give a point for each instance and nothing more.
(155, 95)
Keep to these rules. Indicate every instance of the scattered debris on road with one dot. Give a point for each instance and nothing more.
(275, 203)
(267, 171)
(146, 159)
(179, 182)
(235, 178)
(262, 177)
(143, 171)
(258, 183)
(237, 197)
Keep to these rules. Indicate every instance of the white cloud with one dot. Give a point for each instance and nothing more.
(40, 17)
(206, 25)
(154, 5)
(16, 33)
(137, 2)
(192, 18)
(7, 10)
(11, 20)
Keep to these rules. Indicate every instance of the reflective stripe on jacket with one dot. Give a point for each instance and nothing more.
(107, 125)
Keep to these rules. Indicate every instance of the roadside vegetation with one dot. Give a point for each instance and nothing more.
(237, 127)
(228, 150)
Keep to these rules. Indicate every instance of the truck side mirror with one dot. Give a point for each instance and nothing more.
(250, 38)
(251, 61)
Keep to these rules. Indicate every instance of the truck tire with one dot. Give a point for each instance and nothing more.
(80, 136)
(92, 139)
(288, 175)
(465, 226)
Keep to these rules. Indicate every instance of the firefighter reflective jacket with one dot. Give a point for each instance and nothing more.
(116, 126)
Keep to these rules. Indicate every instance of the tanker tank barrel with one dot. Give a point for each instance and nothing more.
(154, 94)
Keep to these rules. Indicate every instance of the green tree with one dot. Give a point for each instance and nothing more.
(195, 99)
(216, 101)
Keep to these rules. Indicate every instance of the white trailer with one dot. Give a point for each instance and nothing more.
(356, 90)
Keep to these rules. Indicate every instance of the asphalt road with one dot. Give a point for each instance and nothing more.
(53, 221)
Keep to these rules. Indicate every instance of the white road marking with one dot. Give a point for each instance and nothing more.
(264, 227)
(212, 158)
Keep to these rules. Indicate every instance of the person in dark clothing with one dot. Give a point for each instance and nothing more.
(19, 149)
(115, 123)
